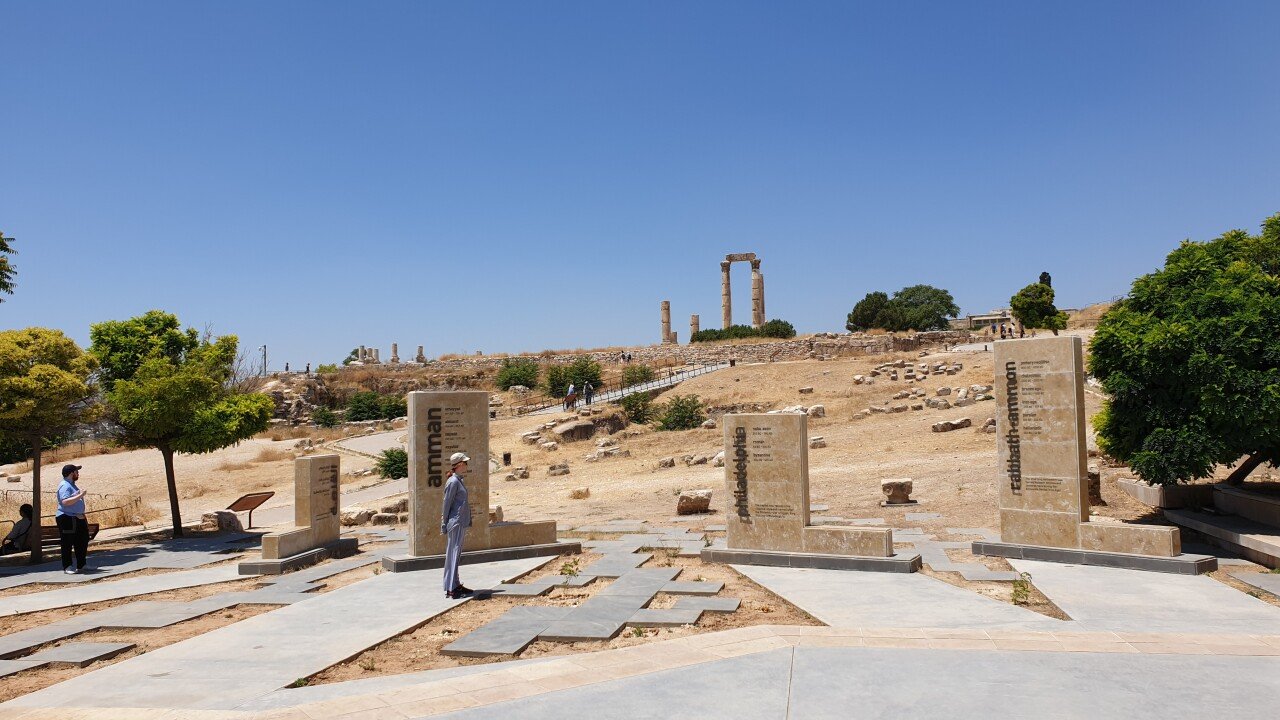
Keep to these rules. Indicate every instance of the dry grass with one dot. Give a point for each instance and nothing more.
(1088, 317)
(115, 510)
(69, 451)
(270, 454)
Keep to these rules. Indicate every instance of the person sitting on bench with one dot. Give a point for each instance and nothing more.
(19, 538)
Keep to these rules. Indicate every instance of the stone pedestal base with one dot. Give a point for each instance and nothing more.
(409, 563)
(1183, 564)
(341, 548)
(895, 563)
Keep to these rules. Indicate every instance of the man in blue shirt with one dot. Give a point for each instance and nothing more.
(73, 529)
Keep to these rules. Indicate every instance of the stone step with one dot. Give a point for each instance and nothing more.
(1253, 540)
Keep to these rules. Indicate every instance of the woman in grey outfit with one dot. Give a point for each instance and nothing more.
(455, 518)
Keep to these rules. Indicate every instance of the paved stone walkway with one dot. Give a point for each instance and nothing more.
(177, 554)
(113, 590)
(1102, 598)
(228, 666)
(869, 599)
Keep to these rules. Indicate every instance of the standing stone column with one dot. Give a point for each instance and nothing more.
(666, 321)
(764, 317)
(364, 354)
(726, 296)
(757, 292)
(693, 326)
(420, 357)
(395, 353)
(375, 356)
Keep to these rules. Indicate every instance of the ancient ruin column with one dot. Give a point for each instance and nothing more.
(764, 318)
(395, 353)
(757, 293)
(666, 321)
(726, 296)
(364, 354)
(421, 357)
(375, 356)
(693, 326)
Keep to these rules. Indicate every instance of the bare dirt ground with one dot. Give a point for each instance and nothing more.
(419, 649)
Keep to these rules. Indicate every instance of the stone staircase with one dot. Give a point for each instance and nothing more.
(1235, 518)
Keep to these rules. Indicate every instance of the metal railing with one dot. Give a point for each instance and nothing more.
(612, 392)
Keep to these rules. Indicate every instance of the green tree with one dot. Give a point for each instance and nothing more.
(638, 407)
(7, 270)
(364, 406)
(517, 371)
(866, 314)
(1033, 307)
(578, 372)
(636, 374)
(325, 368)
(393, 463)
(1191, 360)
(922, 307)
(324, 417)
(777, 329)
(352, 356)
(169, 390)
(681, 412)
(46, 388)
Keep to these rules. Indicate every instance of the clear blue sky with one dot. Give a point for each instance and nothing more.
(517, 176)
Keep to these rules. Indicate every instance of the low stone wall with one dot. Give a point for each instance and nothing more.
(821, 345)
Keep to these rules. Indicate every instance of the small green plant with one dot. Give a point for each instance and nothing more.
(636, 374)
(1022, 589)
(372, 406)
(771, 329)
(394, 463)
(570, 568)
(681, 412)
(517, 371)
(300, 682)
(324, 417)
(368, 664)
(327, 368)
(638, 632)
(638, 407)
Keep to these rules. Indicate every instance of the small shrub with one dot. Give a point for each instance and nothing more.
(300, 682)
(394, 464)
(681, 412)
(393, 406)
(1022, 589)
(324, 417)
(636, 374)
(327, 368)
(638, 407)
(372, 406)
(517, 371)
(771, 329)
(778, 329)
(570, 568)
(557, 382)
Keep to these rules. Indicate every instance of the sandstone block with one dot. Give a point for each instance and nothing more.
(667, 462)
(709, 424)
(356, 516)
(222, 521)
(549, 445)
(693, 501)
(384, 519)
(897, 491)
(580, 493)
(399, 506)
(806, 391)
(817, 411)
(817, 441)
(944, 391)
(717, 460)
(558, 469)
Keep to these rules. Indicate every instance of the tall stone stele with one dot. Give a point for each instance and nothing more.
(316, 511)
(1043, 455)
(440, 424)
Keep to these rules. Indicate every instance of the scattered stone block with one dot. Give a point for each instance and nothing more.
(708, 424)
(667, 462)
(558, 469)
(222, 521)
(356, 516)
(399, 506)
(717, 460)
(806, 391)
(943, 391)
(817, 441)
(581, 493)
(897, 491)
(899, 408)
(384, 519)
(549, 445)
(949, 425)
(691, 502)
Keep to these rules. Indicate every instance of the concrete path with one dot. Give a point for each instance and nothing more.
(615, 395)
(1101, 598)
(374, 443)
(782, 672)
(233, 664)
(178, 554)
(871, 599)
(116, 589)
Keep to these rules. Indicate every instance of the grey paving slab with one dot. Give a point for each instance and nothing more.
(1225, 557)
(228, 666)
(619, 526)
(672, 617)
(615, 565)
(9, 667)
(826, 683)
(115, 589)
(610, 547)
(579, 580)
(641, 581)
(598, 618)
(984, 533)
(692, 587)
(79, 654)
(179, 554)
(1104, 598)
(709, 604)
(507, 635)
(1263, 581)
(533, 588)
(921, 517)
(819, 507)
(290, 697)
(867, 599)
(934, 553)
(867, 521)
(751, 686)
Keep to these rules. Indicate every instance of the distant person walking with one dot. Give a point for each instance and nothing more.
(19, 537)
(455, 518)
(73, 529)
(570, 397)
(588, 392)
